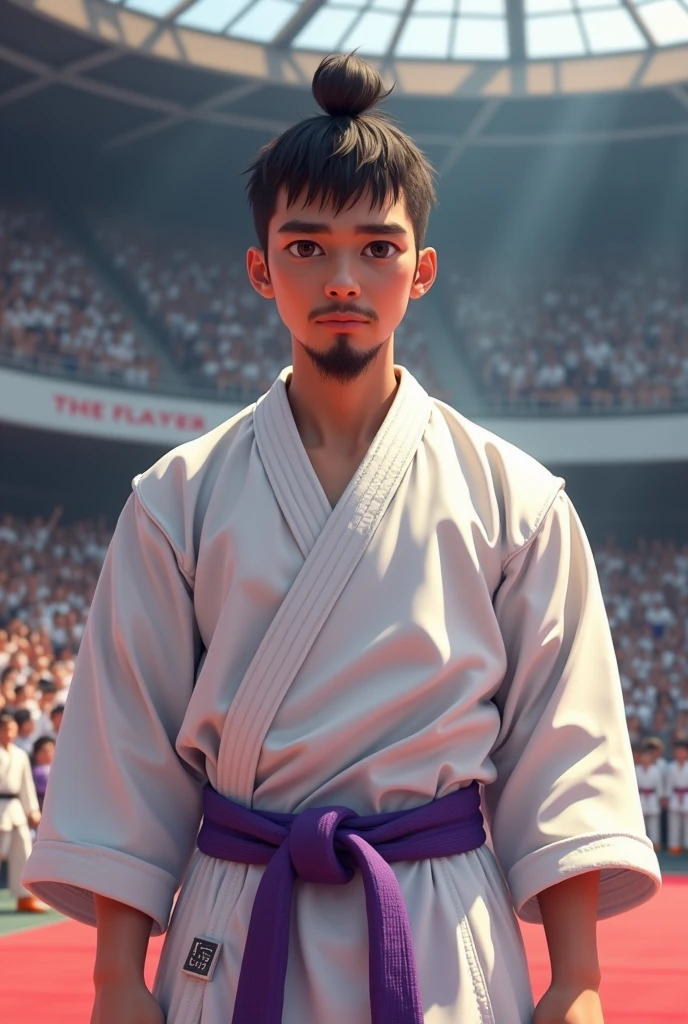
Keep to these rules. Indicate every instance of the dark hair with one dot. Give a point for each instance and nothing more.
(41, 742)
(22, 715)
(6, 716)
(58, 709)
(338, 155)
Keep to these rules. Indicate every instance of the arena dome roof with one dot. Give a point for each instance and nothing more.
(491, 30)
(111, 74)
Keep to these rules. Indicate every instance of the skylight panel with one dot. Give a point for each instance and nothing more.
(589, 5)
(667, 21)
(389, 5)
(558, 36)
(264, 20)
(612, 31)
(372, 34)
(481, 7)
(425, 36)
(481, 38)
(156, 8)
(325, 29)
(547, 6)
(433, 7)
(211, 15)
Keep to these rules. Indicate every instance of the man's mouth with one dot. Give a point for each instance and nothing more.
(342, 318)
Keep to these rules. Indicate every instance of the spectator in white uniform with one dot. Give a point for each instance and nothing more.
(651, 788)
(677, 795)
(18, 810)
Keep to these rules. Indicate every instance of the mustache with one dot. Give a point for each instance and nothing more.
(369, 314)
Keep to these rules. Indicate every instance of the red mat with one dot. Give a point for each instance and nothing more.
(46, 972)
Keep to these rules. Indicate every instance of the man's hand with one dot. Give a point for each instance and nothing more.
(569, 1004)
(125, 1003)
(33, 818)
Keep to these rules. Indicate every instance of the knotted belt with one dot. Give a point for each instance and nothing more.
(327, 845)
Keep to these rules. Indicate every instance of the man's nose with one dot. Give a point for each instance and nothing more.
(342, 285)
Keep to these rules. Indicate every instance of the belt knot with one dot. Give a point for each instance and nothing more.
(313, 846)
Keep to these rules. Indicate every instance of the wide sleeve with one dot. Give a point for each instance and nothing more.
(565, 800)
(122, 810)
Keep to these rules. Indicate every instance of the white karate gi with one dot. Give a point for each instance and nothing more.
(243, 632)
(651, 788)
(676, 782)
(15, 837)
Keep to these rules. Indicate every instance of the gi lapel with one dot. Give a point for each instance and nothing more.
(332, 542)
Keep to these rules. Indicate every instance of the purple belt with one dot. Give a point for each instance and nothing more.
(327, 845)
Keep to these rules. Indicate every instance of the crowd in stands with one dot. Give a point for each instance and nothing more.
(220, 332)
(612, 336)
(54, 314)
(48, 574)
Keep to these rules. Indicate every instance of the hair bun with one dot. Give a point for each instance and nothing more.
(345, 86)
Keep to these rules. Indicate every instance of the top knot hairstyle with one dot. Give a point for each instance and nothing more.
(338, 156)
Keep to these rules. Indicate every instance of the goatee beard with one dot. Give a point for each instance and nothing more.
(341, 363)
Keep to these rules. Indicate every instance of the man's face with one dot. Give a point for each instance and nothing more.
(46, 754)
(8, 733)
(8, 685)
(341, 281)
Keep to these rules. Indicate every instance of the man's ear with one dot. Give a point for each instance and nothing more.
(426, 272)
(258, 273)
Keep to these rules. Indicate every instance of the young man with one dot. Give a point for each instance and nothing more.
(651, 789)
(676, 792)
(18, 810)
(26, 730)
(321, 626)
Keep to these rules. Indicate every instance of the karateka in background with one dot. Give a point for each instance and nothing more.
(651, 789)
(676, 791)
(18, 810)
(657, 746)
(347, 595)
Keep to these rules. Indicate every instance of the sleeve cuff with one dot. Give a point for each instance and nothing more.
(628, 865)
(66, 876)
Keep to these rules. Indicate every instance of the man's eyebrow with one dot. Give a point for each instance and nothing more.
(380, 229)
(307, 227)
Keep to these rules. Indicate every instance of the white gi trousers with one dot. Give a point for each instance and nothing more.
(15, 847)
(678, 830)
(652, 826)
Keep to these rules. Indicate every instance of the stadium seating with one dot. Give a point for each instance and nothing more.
(48, 574)
(55, 316)
(611, 337)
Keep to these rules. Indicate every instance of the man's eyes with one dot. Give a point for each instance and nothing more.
(305, 249)
(388, 249)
